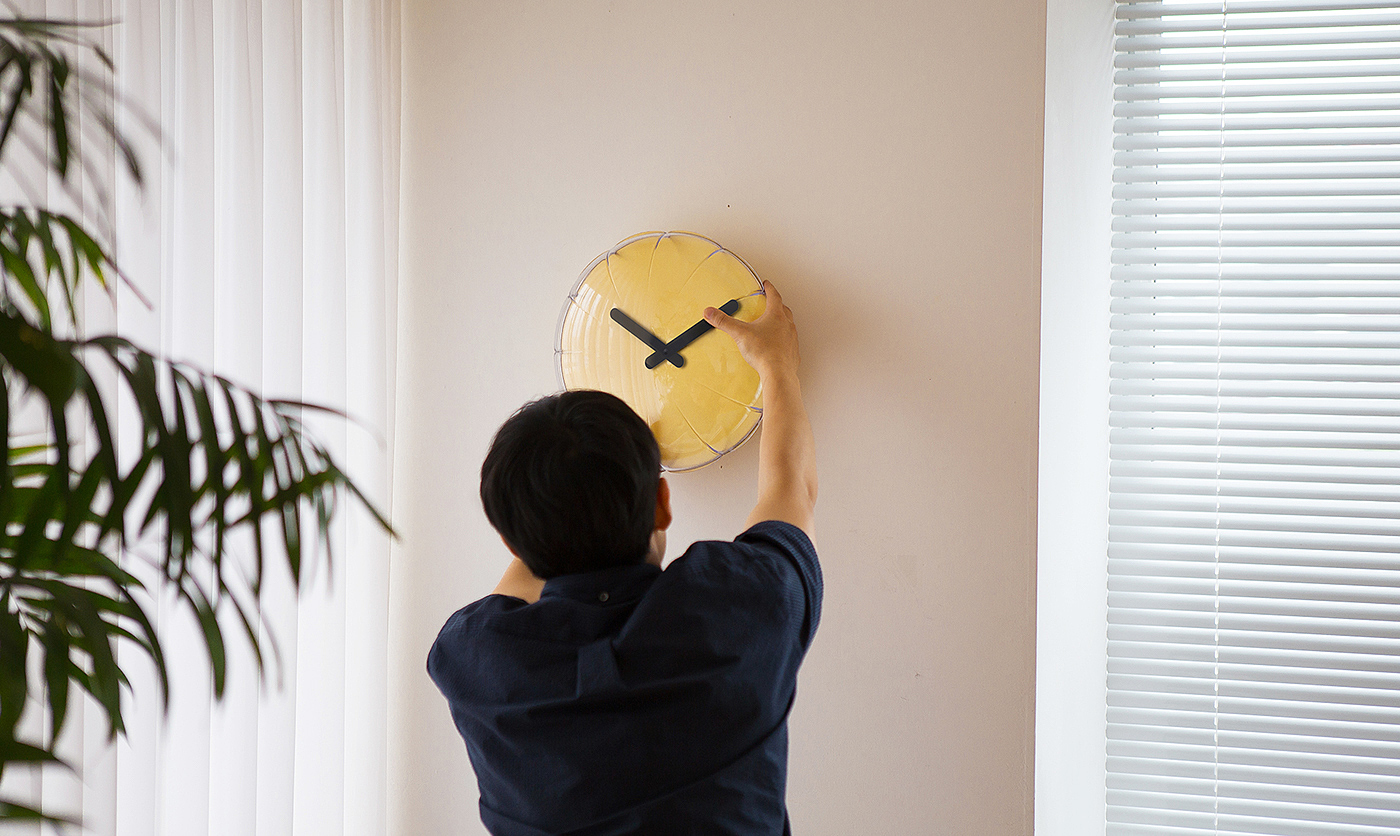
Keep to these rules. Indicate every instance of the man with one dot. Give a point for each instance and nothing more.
(600, 695)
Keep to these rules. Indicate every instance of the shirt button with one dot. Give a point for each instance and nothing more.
(603, 596)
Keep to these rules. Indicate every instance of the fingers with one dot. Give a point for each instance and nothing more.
(775, 299)
(771, 300)
(731, 326)
(774, 303)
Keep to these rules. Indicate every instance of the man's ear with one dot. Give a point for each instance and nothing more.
(663, 505)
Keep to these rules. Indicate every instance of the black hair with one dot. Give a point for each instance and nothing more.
(570, 483)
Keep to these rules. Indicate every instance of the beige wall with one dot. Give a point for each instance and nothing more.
(880, 162)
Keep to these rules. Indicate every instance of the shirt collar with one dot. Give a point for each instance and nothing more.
(612, 585)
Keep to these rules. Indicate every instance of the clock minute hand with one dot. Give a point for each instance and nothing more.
(673, 348)
(661, 352)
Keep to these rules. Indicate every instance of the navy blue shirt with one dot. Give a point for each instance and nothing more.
(632, 700)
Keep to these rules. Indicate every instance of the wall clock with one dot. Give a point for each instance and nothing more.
(633, 326)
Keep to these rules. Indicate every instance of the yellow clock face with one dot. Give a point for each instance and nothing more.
(634, 326)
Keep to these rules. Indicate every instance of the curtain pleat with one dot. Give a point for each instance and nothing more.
(263, 245)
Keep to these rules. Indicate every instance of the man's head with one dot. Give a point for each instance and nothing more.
(570, 482)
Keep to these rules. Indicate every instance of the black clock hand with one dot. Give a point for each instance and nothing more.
(672, 350)
(651, 340)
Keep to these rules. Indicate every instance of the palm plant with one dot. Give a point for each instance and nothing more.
(210, 462)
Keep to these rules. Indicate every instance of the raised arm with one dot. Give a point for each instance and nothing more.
(787, 458)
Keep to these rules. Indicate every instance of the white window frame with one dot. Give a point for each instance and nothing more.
(1071, 594)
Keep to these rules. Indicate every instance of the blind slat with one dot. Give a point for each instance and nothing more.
(1166, 127)
(1139, 10)
(1270, 37)
(1242, 21)
(1216, 57)
(1349, 63)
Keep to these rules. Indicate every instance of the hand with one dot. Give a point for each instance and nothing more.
(673, 348)
(769, 343)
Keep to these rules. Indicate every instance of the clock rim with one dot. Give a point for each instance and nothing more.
(583, 276)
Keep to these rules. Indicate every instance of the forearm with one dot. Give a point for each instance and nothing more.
(787, 457)
(787, 460)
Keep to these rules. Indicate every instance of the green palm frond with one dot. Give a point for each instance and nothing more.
(209, 458)
(49, 96)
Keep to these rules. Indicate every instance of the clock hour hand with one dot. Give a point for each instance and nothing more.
(661, 352)
(672, 350)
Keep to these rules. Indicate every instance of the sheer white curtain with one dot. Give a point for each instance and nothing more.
(266, 239)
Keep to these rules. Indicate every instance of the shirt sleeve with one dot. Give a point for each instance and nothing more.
(790, 543)
(451, 660)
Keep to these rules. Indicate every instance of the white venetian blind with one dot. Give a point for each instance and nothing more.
(1254, 525)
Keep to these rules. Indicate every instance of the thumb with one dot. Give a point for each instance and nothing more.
(722, 321)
